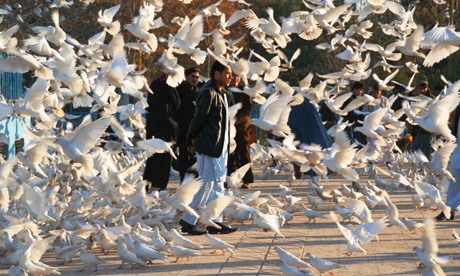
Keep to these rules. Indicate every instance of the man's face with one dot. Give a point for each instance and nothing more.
(419, 90)
(358, 92)
(235, 80)
(192, 79)
(223, 78)
(377, 94)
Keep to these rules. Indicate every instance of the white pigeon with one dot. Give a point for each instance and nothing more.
(383, 84)
(428, 253)
(367, 231)
(156, 145)
(83, 139)
(284, 190)
(351, 239)
(33, 265)
(392, 212)
(436, 120)
(311, 214)
(289, 270)
(188, 37)
(6, 169)
(269, 26)
(184, 194)
(412, 224)
(371, 123)
(183, 241)
(127, 256)
(272, 117)
(140, 29)
(158, 241)
(213, 209)
(234, 179)
(146, 253)
(38, 202)
(432, 197)
(181, 252)
(323, 265)
(105, 18)
(67, 252)
(290, 258)
(89, 259)
(218, 244)
(412, 43)
(340, 160)
(335, 104)
(267, 221)
(359, 208)
(33, 103)
(33, 157)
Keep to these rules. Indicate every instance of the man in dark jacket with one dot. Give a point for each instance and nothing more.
(241, 156)
(188, 92)
(160, 124)
(208, 136)
(358, 90)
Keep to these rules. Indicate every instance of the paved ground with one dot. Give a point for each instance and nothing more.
(254, 254)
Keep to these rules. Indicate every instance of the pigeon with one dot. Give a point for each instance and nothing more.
(290, 258)
(267, 221)
(218, 244)
(184, 195)
(213, 209)
(412, 224)
(89, 259)
(323, 265)
(235, 178)
(183, 241)
(127, 256)
(105, 18)
(182, 252)
(393, 212)
(146, 253)
(352, 241)
(311, 214)
(428, 254)
(289, 270)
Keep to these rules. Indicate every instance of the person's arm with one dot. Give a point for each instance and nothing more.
(203, 105)
(175, 99)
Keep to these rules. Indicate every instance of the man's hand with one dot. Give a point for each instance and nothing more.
(190, 147)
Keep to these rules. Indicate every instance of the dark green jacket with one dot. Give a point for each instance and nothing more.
(208, 127)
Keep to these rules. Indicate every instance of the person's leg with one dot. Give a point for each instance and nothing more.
(453, 191)
(149, 173)
(426, 139)
(199, 200)
(203, 194)
(161, 168)
(182, 159)
(246, 158)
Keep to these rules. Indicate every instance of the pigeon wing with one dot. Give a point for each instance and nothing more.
(188, 188)
(87, 136)
(215, 207)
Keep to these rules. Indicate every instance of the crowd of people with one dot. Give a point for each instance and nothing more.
(195, 117)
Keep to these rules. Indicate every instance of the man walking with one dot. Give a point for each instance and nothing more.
(188, 92)
(208, 136)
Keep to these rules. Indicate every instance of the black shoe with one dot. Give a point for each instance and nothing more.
(442, 217)
(225, 229)
(190, 228)
(245, 186)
